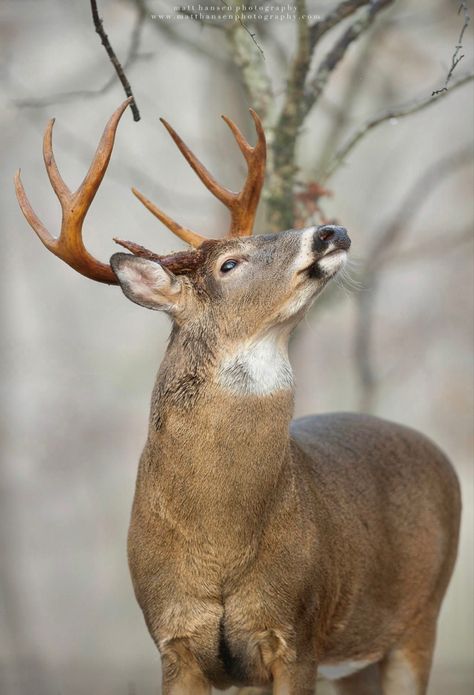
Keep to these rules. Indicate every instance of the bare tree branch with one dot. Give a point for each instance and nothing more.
(213, 24)
(280, 197)
(247, 57)
(394, 113)
(340, 116)
(338, 14)
(299, 98)
(252, 34)
(99, 27)
(456, 58)
(337, 52)
(253, 71)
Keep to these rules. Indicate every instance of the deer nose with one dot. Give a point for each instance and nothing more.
(333, 234)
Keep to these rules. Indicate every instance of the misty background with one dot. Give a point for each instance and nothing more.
(79, 360)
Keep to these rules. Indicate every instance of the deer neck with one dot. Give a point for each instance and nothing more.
(219, 431)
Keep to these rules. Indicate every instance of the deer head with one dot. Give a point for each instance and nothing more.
(235, 288)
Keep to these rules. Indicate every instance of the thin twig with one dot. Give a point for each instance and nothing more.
(279, 47)
(394, 113)
(456, 58)
(340, 116)
(246, 54)
(252, 34)
(99, 27)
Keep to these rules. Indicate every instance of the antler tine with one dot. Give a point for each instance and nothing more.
(92, 180)
(225, 196)
(242, 205)
(59, 187)
(244, 146)
(69, 246)
(221, 193)
(30, 215)
(187, 235)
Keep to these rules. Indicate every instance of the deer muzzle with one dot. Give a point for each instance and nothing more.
(330, 237)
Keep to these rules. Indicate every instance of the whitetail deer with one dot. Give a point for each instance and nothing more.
(263, 551)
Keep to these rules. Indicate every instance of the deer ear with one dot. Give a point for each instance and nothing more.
(147, 282)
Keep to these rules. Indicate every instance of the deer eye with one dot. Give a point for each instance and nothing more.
(228, 265)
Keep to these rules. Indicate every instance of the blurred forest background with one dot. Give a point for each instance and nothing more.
(78, 360)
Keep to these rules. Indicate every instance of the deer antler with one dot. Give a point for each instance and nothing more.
(69, 246)
(242, 205)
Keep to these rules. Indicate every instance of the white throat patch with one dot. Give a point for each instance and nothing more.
(256, 368)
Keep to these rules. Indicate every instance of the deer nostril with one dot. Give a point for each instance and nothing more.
(327, 232)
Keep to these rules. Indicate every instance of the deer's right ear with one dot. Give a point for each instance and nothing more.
(147, 283)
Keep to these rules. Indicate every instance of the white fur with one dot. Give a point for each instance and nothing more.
(334, 672)
(399, 676)
(297, 303)
(256, 368)
(261, 367)
(145, 273)
(306, 253)
(332, 263)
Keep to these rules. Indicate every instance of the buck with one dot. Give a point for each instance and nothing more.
(264, 551)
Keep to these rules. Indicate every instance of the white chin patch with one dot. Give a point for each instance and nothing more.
(333, 262)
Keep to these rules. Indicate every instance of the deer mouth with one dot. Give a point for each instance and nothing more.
(334, 252)
(330, 261)
(326, 266)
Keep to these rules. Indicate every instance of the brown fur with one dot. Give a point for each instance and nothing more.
(260, 548)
